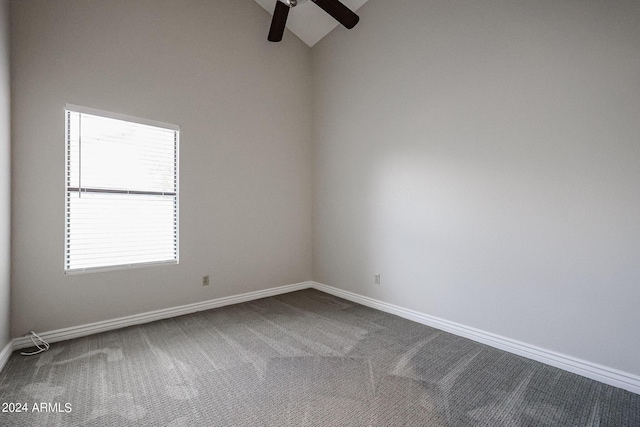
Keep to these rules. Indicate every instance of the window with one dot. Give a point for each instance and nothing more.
(121, 191)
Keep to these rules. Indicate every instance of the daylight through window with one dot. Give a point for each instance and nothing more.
(121, 191)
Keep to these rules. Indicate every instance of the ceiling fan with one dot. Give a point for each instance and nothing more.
(337, 10)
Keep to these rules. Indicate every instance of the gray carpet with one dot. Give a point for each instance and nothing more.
(300, 359)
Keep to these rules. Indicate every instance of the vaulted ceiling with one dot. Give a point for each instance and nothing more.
(308, 21)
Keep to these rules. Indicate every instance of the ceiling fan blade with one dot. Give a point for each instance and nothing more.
(340, 12)
(278, 22)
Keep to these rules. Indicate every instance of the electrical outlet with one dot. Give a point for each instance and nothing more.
(205, 280)
(376, 278)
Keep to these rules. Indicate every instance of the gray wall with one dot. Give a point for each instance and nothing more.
(5, 175)
(484, 158)
(243, 108)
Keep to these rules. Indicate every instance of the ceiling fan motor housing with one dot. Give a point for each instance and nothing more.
(293, 3)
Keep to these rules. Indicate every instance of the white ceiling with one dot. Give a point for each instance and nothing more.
(308, 21)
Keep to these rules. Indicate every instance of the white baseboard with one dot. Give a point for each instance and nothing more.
(5, 354)
(587, 369)
(150, 316)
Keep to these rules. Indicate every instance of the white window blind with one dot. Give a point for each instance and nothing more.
(121, 191)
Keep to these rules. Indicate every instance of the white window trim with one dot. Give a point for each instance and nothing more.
(118, 116)
(132, 119)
